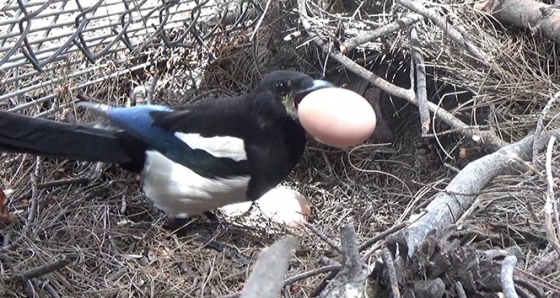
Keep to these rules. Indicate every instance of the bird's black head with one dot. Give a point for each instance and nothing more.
(288, 88)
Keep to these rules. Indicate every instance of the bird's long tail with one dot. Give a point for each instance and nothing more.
(22, 134)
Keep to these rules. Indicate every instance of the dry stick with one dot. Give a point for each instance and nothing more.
(485, 137)
(529, 286)
(350, 254)
(50, 290)
(544, 263)
(540, 122)
(77, 181)
(267, 277)
(381, 235)
(360, 39)
(446, 207)
(351, 279)
(418, 7)
(387, 258)
(32, 209)
(323, 284)
(322, 236)
(46, 269)
(460, 290)
(420, 71)
(506, 276)
(310, 273)
(549, 206)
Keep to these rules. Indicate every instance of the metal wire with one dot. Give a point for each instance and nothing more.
(44, 44)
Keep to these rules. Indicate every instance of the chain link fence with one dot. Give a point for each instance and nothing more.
(51, 50)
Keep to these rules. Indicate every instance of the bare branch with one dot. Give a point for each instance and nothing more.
(418, 7)
(550, 205)
(310, 273)
(387, 258)
(458, 196)
(484, 137)
(323, 237)
(506, 276)
(267, 277)
(403, 22)
(529, 14)
(540, 123)
(419, 70)
(47, 268)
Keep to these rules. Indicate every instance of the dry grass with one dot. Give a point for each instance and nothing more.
(374, 186)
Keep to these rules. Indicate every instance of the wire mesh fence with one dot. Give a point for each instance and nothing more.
(51, 49)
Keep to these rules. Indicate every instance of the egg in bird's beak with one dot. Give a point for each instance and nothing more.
(298, 95)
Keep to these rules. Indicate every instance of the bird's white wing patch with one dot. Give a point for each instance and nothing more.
(219, 146)
(180, 192)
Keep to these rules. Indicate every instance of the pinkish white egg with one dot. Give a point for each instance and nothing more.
(281, 205)
(285, 206)
(337, 117)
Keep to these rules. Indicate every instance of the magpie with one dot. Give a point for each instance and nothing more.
(192, 158)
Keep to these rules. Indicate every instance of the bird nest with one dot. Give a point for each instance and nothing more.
(82, 230)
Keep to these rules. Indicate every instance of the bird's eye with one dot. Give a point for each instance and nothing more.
(282, 89)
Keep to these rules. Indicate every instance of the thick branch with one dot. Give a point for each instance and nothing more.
(450, 204)
(534, 15)
(267, 277)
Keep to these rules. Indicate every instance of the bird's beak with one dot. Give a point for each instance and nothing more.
(317, 84)
(293, 102)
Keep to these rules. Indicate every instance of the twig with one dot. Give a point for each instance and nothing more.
(310, 273)
(50, 290)
(57, 183)
(380, 236)
(528, 286)
(337, 55)
(447, 207)
(506, 276)
(323, 237)
(32, 210)
(544, 262)
(351, 279)
(484, 137)
(263, 15)
(540, 123)
(46, 269)
(419, 70)
(350, 253)
(352, 43)
(34, 196)
(418, 7)
(460, 290)
(387, 258)
(267, 277)
(323, 284)
(550, 205)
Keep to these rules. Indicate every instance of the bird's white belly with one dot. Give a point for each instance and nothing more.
(180, 192)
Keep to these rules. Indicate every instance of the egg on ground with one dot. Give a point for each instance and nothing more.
(281, 205)
(337, 117)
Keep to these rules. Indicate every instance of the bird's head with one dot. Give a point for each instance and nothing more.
(288, 88)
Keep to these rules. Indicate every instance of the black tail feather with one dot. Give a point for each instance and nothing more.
(22, 134)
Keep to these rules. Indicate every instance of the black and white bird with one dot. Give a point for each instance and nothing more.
(192, 158)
